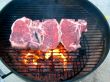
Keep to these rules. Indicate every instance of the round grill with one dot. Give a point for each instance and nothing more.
(94, 43)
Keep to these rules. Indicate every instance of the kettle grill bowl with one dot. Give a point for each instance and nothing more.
(95, 42)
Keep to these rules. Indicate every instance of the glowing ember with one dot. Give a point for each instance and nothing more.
(30, 58)
(56, 53)
(36, 57)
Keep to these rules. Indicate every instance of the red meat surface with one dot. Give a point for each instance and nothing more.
(51, 34)
(47, 34)
(21, 35)
(71, 33)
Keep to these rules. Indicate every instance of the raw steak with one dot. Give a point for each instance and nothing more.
(50, 35)
(22, 34)
(47, 34)
(71, 33)
(83, 25)
(36, 34)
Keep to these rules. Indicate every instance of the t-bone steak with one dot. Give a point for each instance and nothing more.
(71, 33)
(22, 34)
(47, 34)
(51, 35)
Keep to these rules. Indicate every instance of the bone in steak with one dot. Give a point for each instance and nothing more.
(71, 33)
(51, 35)
(47, 34)
(22, 34)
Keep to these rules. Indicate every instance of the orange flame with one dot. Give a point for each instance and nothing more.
(57, 53)
(30, 58)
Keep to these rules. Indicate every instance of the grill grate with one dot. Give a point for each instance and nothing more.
(82, 60)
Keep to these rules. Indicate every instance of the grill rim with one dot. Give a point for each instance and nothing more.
(106, 49)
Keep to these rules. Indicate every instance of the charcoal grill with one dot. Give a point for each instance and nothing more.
(95, 42)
